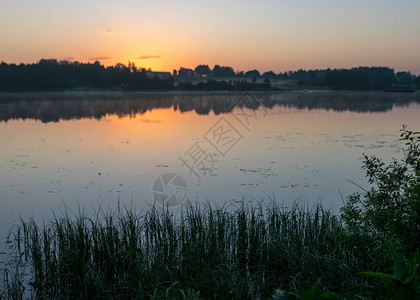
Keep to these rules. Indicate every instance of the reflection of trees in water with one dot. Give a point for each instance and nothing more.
(343, 101)
(64, 106)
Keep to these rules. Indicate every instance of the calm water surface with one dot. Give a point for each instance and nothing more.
(95, 149)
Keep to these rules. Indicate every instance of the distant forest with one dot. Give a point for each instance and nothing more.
(50, 74)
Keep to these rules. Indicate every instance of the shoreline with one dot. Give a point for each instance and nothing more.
(217, 92)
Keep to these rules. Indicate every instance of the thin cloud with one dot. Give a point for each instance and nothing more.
(150, 121)
(108, 31)
(99, 58)
(148, 57)
(69, 58)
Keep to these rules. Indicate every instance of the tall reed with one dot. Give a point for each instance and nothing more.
(220, 252)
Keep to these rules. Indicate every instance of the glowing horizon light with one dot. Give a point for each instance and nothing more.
(143, 57)
(278, 36)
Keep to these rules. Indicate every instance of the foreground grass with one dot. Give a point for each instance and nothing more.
(202, 251)
(243, 252)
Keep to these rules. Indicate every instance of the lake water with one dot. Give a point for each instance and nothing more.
(98, 149)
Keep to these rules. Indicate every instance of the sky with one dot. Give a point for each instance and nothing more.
(266, 35)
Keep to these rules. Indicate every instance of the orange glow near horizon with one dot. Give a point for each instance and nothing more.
(277, 36)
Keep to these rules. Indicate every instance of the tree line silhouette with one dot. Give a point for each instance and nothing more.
(361, 78)
(50, 74)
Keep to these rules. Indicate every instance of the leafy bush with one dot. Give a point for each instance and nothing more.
(404, 282)
(388, 212)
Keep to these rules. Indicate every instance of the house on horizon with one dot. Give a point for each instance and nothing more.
(184, 72)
